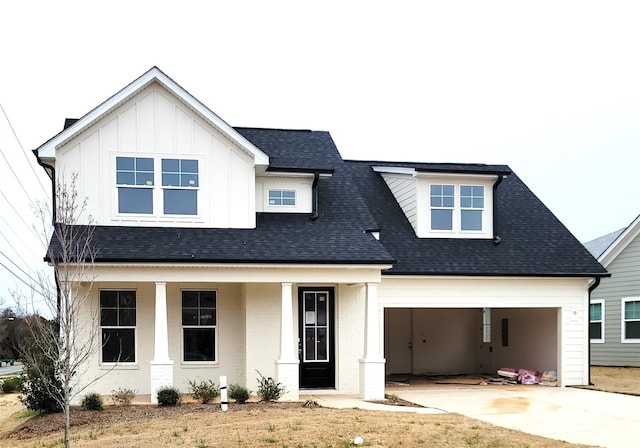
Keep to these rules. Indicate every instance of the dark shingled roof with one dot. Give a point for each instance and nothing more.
(351, 202)
(295, 149)
(533, 241)
(338, 235)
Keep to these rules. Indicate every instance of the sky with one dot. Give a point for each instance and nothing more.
(550, 88)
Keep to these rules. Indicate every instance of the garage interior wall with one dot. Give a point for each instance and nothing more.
(424, 341)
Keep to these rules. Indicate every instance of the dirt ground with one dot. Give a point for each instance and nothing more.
(17, 428)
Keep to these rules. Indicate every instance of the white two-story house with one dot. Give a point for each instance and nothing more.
(224, 251)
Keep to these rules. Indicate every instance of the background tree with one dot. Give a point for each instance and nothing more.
(12, 331)
(58, 350)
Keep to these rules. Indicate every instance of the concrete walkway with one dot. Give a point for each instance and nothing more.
(569, 414)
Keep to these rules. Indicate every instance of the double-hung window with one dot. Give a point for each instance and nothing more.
(456, 208)
(631, 319)
(199, 325)
(442, 205)
(180, 186)
(471, 206)
(134, 179)
(118, 326)
(596, 321)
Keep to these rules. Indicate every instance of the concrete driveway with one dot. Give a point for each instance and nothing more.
(569, 414)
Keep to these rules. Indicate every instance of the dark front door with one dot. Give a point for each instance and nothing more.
(316, 347)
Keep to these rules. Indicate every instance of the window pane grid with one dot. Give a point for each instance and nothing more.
(316, 340)
(134, 171)
(456, 208)
(199, 317)
(282, 197)
(180, 173)
(118, 323)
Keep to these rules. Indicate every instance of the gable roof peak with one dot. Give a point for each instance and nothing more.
(626, 236)
(154, 74)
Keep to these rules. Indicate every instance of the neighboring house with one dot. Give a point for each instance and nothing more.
(615, 304)
(226, 251)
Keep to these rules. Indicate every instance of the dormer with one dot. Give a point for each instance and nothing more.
(446, 201)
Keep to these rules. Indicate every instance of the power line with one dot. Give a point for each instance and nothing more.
(29, 161)
(19, 268)
(18, 214)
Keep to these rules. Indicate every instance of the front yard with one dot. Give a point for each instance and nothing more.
(274, 425)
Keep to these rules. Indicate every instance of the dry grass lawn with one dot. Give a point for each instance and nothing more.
(281, 426)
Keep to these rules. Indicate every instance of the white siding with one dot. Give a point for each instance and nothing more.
(561, 342)
(156, 124)
(404, 190)
(301, 185)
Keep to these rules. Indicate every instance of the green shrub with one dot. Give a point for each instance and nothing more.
(92, 402)
(268, 388)
(41, 391)
(239, 393)
(12, 385)
(205, 391)
(122, 396)
(169, 396)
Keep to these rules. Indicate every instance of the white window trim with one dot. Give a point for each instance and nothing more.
(295, 198)
(623, 337)
(602, 321)
(157, 188)
(119, 365)
(457, 210)
(215, 333)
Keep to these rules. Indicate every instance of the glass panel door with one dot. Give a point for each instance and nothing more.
(316, 334)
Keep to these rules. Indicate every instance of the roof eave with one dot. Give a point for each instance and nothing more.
(153, 75)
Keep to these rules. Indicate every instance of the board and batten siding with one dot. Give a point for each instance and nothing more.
(404, 189)
(154, 123)
(623, 283)
(566, 299)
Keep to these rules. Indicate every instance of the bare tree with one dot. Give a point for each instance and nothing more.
(68, 342)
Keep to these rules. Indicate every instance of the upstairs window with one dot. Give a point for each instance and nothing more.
(456, 207)
(134, 178)
(631, 320)
(442, 205)
(471, 206)
(596, 321)
(180, 186)
(282, 197)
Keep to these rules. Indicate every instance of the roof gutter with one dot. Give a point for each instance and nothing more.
(51, 172)
(496, 237)
(314, 196)
(593, 286)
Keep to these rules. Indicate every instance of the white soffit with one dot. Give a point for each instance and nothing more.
(623, 240)
(394, 170)
(47, 150)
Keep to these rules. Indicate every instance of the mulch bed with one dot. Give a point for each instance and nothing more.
(42, 425)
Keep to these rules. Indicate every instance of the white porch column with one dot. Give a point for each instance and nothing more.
(161, 367)
(287, 364)
(372, 364)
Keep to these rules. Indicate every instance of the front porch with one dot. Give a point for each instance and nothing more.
(254, 327)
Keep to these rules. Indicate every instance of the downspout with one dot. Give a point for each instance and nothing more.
(314, 196)
(51, 171)
(595, 284)
(496, 237)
